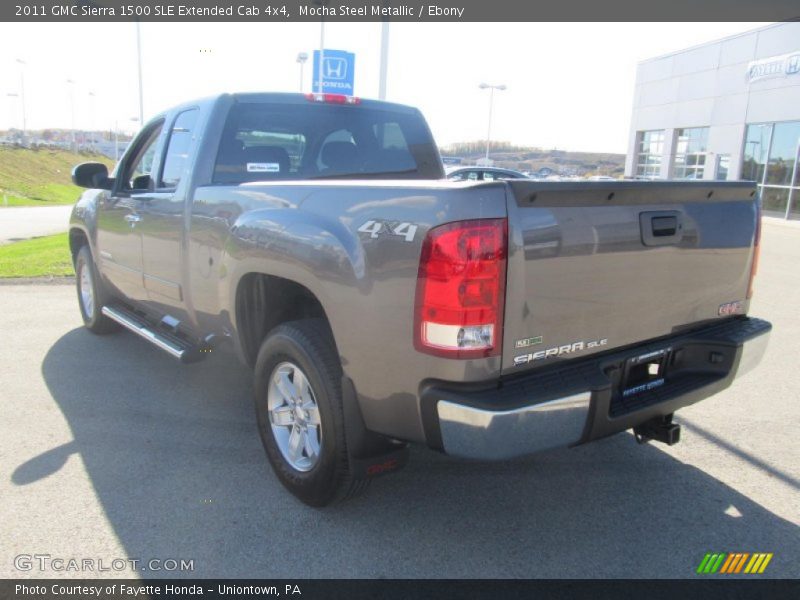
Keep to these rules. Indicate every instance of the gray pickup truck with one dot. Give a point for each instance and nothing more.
(380, 305)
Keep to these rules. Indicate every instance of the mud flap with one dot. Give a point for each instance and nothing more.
(371, 454)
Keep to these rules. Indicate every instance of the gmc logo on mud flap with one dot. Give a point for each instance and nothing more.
(384, 467)
(729, 308)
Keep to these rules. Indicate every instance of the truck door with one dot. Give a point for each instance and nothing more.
(119, 237)
(162, 225)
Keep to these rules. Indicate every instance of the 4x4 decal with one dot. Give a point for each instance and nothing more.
(376, 227)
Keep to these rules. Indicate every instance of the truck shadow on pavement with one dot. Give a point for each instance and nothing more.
(174, 456)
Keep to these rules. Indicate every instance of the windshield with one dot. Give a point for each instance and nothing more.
(269, 141)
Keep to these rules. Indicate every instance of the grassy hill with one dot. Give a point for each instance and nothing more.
(532, 159)
(40, 177)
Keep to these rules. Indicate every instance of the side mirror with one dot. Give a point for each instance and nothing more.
(141, 182)
(92, 175)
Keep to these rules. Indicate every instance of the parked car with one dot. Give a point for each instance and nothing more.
(483, 174)
(379, 305)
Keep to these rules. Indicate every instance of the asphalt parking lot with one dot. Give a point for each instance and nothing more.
(110, 449)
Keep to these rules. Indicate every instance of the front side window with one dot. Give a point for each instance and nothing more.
(650, 148)
(691, 150)
(390, 136)
(180, 139)
(138, 171)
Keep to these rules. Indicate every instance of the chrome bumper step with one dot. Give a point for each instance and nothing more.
(170, 343)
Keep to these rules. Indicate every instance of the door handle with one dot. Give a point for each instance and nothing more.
(660, 228)
(133, 219)
(664, 226)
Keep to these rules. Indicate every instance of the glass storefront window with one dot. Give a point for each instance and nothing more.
(649, 151)
(756, 147)
(782, 153)
(773, 200)
(690, 153)
(723, 166)
(770, 158)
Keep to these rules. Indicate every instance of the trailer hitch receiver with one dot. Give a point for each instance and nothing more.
(659, 429)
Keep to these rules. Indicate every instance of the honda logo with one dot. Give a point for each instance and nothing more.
(334, 68)
(334, 73)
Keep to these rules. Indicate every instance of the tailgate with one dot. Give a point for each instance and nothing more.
(595, 266)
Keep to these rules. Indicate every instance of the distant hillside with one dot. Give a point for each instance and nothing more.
(531, 159)
(40, 177)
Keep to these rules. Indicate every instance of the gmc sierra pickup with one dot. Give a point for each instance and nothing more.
(379, 304)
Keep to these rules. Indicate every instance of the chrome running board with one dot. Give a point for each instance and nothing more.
(173, 345)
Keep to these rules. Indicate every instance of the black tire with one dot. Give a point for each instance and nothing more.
(308, 344)
(94, 320)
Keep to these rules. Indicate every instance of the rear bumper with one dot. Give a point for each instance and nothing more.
(579, 401)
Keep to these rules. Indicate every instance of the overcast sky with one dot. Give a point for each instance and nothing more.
(570, 85)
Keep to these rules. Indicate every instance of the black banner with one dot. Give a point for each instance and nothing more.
(389, 589)
(275, 11)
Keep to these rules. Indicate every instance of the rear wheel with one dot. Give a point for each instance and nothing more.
(294, 416)
(298, 401)
(92, 295)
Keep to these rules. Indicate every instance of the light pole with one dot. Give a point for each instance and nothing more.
(22, 64)
(71, 85)
(321, 52)
(302, 57)
(491, 89)
(384, 60)
(91, 120)
(321, 4)
(139, 65)
(13, 95)
(753, 144)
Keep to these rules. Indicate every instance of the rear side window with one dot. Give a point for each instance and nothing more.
(180, 139)
(273, 141)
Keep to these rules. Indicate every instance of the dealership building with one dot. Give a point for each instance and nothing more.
(729, 109)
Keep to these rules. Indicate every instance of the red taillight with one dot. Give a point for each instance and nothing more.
(461, 289)
(756, 252)
(333, 98)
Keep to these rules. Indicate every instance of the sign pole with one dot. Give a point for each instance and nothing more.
(139, 65)
(321, 53)
(384, 60)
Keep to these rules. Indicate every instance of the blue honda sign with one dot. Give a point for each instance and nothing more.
(338, 72)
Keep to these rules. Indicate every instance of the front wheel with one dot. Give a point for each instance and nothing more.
(298, 401)
(92, 295)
